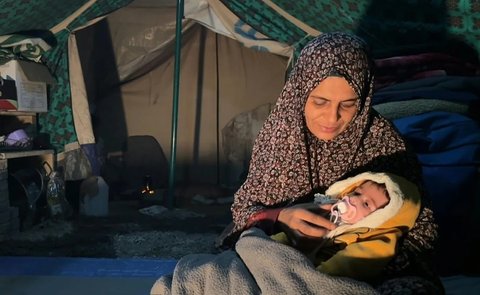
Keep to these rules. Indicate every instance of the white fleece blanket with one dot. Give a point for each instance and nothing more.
(258, 266)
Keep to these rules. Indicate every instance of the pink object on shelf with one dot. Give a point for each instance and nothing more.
(17, 137)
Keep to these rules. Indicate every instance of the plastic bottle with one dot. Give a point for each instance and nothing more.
(57, 204)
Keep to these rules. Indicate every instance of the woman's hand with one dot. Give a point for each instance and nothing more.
(305, 222)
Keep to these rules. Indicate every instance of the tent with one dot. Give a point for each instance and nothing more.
(113, 63)
(119, 66)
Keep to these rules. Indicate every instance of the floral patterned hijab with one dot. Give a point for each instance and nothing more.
(288, 161)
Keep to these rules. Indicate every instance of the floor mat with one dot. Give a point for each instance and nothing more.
(85, 267)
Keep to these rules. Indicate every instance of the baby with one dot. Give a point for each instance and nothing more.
(372, 211)
(354, 206)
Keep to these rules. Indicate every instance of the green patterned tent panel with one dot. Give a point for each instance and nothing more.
(389, 26)
(17, 16)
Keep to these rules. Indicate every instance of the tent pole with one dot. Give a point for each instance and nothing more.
(176, 83)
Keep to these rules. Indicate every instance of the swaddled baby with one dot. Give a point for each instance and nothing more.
(372, 211)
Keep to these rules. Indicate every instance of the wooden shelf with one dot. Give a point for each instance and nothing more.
(16, 113)
(21, 154)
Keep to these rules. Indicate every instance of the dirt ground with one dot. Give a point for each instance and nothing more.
(131, 230)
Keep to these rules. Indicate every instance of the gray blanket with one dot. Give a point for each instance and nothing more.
(258, 265)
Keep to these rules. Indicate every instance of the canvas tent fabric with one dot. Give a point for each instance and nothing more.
(219, 78)
(218, 18)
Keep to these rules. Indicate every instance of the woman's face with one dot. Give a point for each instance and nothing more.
(330, 107)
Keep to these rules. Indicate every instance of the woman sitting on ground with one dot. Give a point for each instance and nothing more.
(323, 130)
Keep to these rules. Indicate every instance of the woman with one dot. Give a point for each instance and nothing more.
(322, 130)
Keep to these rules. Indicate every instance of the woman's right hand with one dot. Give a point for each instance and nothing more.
(305, 221)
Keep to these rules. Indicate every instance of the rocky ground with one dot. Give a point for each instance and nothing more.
(128, 231)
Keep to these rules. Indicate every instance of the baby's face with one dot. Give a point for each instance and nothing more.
(367, 198)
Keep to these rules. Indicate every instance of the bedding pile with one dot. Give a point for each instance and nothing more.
(434, 101)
